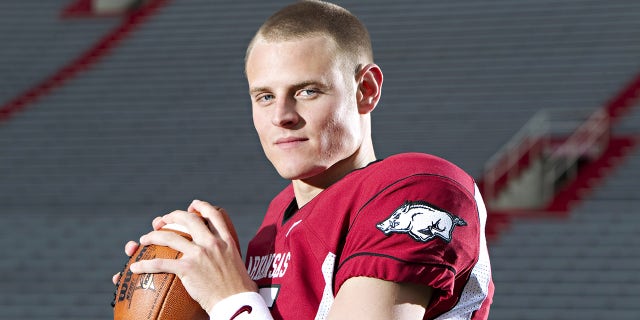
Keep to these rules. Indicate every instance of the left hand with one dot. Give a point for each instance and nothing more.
(211, 267)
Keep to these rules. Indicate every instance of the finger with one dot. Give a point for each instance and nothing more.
(232, 230)
(115, 278)
(158, 223)
(130, 248)
(192, 209)
(193, 224)
(156, 266)
(167, 239)
(218, 219)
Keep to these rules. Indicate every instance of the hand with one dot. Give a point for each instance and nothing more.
(129, 249)
(211, 267)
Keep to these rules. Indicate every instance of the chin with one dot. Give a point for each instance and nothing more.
(292, 172)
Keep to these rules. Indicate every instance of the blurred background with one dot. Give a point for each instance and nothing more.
(114, 112)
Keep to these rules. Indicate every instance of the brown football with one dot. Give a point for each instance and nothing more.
(158, 296)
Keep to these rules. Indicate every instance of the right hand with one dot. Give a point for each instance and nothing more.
(211, 267)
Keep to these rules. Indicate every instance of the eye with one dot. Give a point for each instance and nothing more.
(308, 93)
(264, 98)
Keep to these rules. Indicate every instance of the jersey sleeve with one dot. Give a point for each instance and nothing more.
(421, 229)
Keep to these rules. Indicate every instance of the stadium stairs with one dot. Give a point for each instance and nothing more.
(575, 258)
(588, 175)
(581, 265)
(89, 57)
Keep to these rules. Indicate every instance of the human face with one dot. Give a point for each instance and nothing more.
(304, 105)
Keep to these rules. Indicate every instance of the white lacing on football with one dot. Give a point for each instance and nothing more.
(176, 227)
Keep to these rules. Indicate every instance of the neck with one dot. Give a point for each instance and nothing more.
(307, 189)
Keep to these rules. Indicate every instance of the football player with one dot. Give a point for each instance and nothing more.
(352, 236)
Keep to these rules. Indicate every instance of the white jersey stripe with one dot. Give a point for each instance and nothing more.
(477, 288)
(327, 294)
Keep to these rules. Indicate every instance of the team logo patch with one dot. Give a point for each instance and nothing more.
(421, 221)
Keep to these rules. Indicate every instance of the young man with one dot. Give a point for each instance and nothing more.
(352, 236)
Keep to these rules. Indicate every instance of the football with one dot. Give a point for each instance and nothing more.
(158, 296)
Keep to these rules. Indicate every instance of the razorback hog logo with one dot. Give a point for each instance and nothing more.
(421, 221)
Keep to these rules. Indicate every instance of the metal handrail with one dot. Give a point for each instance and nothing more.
(521, 143)
(587, 138)
(588, 141)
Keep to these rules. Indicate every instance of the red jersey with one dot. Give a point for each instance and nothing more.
(408, 218)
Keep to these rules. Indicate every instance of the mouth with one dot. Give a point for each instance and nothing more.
(290, 142)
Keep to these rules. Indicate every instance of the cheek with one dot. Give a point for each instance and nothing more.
(261, 126)
(258, 117)
(343, 131)
(336, 142)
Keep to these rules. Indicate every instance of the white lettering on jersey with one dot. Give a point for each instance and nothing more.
(272, 265)
(327, 294)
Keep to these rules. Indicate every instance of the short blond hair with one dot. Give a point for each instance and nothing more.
(310, 18)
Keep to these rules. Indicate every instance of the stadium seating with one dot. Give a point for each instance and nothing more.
(583, 267)
(165, 118)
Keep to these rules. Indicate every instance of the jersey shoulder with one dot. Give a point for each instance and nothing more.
(405, 165)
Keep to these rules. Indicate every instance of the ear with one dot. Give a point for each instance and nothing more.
(369, 82)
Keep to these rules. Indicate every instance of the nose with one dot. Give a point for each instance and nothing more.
(285, 114)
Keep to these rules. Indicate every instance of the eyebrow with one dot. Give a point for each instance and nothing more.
(258, 89)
